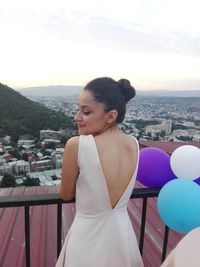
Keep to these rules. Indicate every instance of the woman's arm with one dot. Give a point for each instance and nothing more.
(70, 170)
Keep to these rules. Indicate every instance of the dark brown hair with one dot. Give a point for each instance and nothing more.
(113, 94)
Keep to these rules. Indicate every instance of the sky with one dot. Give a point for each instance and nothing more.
(153, 43)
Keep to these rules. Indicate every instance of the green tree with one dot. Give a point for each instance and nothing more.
(20, 116)
(8, 180)
(162, 133)
(64, 139)
(184, 138)
(149, 134)
(156, 137)
(54, 177)
(31, 181)
(25, 156)
(15, 153)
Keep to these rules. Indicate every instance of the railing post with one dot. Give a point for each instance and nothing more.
(59, 227)
(142, 228)
(165, 242)
(27, 235)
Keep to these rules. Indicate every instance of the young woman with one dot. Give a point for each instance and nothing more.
(99, 169)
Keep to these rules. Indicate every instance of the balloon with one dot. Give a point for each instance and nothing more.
(154, 167)
(178, 205)
(185, 162)
(197, 181)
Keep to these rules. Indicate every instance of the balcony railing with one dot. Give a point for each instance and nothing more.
(53, 198)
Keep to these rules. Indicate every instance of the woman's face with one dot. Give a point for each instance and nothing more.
(91, 117)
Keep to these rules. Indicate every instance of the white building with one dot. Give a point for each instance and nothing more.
(49, 141)
(22, 166)
(50, 134)
(45, 177)
(25, 143)
(166, 125)
(5, 140)
(41, 165)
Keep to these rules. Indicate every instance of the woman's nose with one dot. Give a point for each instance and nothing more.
(77, 117)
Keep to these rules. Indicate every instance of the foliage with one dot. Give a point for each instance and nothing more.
(54, 177)
(184, 138)
(31, 181)
(8, 180)
(50, 145)
(143, 123)
(64, 139)
(15, 153)
(178, 126)
(19, 115)
(24, 156)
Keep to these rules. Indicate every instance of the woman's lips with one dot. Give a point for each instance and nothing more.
(81, 126)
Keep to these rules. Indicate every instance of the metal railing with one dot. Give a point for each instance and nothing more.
(53, 198)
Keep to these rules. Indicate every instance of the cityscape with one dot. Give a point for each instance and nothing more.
(38, 161)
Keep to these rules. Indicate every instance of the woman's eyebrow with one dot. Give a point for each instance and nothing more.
(84, 106)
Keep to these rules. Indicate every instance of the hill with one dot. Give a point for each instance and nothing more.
(66, 90)
(169, 93)
(19, 115)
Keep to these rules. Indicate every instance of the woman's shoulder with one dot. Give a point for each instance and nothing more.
(129, 139)
(73, 142)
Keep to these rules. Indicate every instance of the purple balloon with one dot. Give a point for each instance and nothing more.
(154, 168)
(197, 180)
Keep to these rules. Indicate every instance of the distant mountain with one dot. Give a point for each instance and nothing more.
(51, 90)
(19, 115)
(66, 90)
(186, 93)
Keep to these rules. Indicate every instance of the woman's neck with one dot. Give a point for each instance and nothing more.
(108, 128)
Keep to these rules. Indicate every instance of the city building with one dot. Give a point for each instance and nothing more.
(25, 143)
(50, 134)
(165, 126)
(22, 166)
(5, 140)
(41, 165)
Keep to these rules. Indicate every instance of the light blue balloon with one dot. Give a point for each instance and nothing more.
(178, 205)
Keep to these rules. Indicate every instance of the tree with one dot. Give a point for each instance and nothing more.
(31, 181)
(149, 134)
(64, 139)
(25, 156)
(8, 180)
(156, 137)
(15, 153)
(54, 177)
(50, 145)
(162, 133)
(184, 138)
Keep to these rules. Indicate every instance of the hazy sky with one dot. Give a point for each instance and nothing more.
(153, 43)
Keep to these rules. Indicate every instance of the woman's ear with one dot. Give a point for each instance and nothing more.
(112, 116)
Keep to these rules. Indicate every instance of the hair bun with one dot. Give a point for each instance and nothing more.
(128, 91)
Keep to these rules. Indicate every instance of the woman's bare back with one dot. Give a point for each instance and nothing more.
(118, 154)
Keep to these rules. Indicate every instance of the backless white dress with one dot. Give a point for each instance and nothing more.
(100, 236)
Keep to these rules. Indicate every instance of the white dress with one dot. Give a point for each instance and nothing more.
(100, 236)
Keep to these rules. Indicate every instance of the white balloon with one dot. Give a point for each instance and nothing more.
(185, 162)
